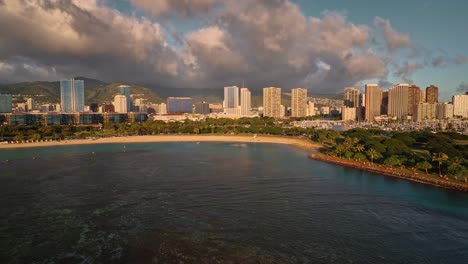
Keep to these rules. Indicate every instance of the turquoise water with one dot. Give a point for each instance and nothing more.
(217, 203)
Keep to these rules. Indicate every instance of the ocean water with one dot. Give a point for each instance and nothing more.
(217, 203)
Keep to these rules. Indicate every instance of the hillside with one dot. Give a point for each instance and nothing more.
(96, 91)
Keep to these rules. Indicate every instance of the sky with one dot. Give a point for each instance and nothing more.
(322, 45)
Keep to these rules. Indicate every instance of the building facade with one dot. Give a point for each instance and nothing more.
(348, 113)
(202, 108)
(310, 108)
(373, 99)
(231, 99)
(179, 105)
(432, 94)
(125, 90)
(414, 98)
(352, 97)
(444, 111)
(272, 102)
(299, 102)
(424, 111)
(120, 103)
(72, 95)
(460, 105)
(398, 101)
(245, 102)
(5, 103)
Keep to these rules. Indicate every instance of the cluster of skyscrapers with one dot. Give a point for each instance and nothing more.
(401, 102)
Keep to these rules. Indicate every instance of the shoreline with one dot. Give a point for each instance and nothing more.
(434, 182)
(302, 143)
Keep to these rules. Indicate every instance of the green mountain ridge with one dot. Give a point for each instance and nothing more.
(96, 91)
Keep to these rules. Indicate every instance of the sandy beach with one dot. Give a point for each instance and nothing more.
(297, 142)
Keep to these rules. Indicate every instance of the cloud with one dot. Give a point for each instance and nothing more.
(85, 37)
(406, 70)
(265, 42)
(460, 59)
(394, 39)
(175, 7)
(463, 87)
(253, 40)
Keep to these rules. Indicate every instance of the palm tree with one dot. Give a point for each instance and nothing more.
(440, 157)
(340, 149)
(359, 148)
(373, 154)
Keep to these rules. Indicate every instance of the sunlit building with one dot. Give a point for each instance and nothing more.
(272, 102)
(398, 101)
(373, 101)
(432, 94)
(299, 102)
(414, 98)
(245, 102)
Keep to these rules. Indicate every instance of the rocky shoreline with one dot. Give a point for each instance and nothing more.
(440, 182)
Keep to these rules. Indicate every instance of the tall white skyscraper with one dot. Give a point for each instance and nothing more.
(272, 102)
(245, 103)
(299, 102)
(72, 95)
(231, 99)
(398, 101)
(120, 103)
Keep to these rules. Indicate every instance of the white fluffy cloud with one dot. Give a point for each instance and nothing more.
(394, 39)
(265, 42)
(179, 7)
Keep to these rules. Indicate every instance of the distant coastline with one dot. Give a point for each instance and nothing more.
(396, 173)
(302, 143)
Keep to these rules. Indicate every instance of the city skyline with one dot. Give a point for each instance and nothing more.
(168, 44)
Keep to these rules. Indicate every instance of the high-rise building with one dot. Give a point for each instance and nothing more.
(460, 105)
(432, 94)
(299, 102)
(72, 95)
(5, 103)
(414, 98)
(272, 102)
(231, 99)
(30, 104)
(245, 102)
(120, 103)
(352, 97)
(310, 108)
(424, 111)
(373, 101)
(384, 104)
(179, 105)
(444, 110)
(202, 108)
(125, 90)
(398, 101)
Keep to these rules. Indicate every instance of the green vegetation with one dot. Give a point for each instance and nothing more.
(95, 91)
(437, 154)
(426, 152)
